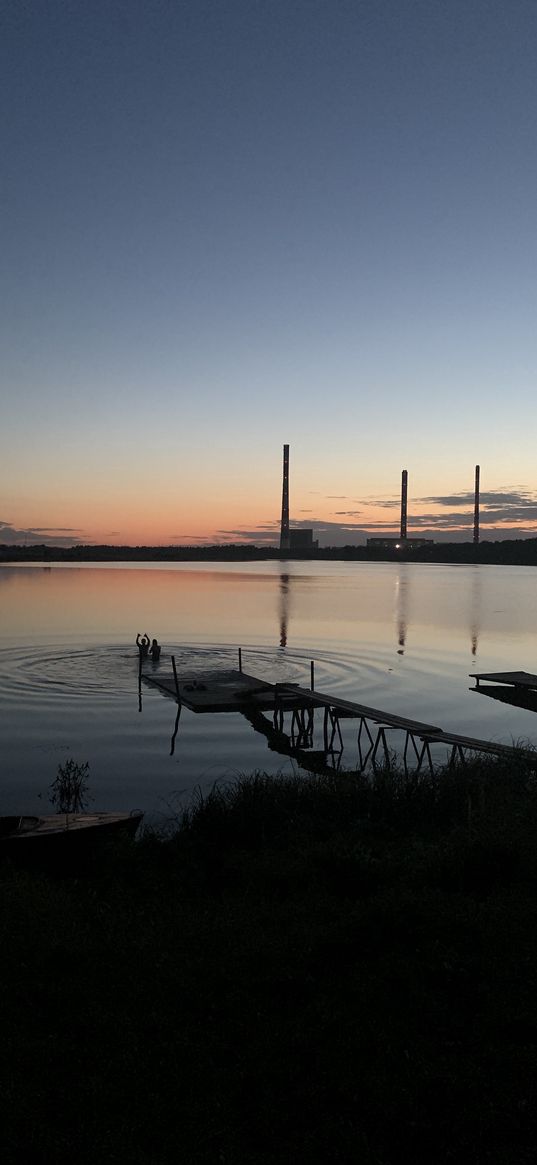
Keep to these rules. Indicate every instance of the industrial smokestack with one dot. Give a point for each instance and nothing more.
(404, 491)
(476, 506)
(284, 532)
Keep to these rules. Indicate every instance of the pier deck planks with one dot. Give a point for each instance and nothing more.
(350, 708)
(228, 691)
(516, 679)
(222, 691)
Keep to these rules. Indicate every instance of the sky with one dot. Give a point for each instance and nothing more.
(235, 224)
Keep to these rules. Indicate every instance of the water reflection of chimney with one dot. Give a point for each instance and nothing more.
(401, 590)
(475, 610)
(284, 608)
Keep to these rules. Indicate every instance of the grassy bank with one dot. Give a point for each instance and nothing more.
(311, 969)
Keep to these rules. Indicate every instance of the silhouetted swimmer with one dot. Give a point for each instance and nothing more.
(154, 651)
(142, 643)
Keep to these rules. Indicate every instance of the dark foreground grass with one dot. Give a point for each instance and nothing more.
(313, 969)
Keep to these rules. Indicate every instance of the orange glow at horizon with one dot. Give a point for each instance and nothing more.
(207, 505)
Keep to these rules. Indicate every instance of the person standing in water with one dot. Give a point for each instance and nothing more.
(142, 643)
(154, 651)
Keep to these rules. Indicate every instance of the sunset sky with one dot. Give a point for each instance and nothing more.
(230, 224)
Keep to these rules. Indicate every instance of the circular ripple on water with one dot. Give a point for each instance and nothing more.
(36, 672)
(337, 671)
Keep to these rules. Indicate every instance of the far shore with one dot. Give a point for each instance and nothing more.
(509, 552)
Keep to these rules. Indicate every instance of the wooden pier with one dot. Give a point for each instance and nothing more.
(234, 690)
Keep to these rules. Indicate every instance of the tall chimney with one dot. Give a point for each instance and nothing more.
(476, 506)
(404, 491)
(284, 532)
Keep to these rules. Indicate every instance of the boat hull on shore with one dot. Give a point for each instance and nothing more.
(62, 837)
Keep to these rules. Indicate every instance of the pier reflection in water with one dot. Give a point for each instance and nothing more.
(298, 743)
(516, 697)
(235, 691)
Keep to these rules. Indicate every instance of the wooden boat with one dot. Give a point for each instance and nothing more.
(60, 836)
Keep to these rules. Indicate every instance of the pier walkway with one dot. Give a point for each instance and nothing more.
(236, 691)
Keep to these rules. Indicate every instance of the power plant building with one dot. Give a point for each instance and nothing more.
(302, 540)
(391, 543)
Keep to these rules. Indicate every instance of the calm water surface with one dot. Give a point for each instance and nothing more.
(400, 637)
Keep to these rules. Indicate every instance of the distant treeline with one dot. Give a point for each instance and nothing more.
(515, 552)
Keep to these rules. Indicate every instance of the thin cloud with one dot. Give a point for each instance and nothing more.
(506, 516)
(524, 499)
(188, 538)
(257, 535)
(43, 535)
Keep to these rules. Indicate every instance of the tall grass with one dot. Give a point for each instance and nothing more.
(308, 968)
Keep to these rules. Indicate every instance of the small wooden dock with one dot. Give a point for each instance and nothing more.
(236, 691)
(516, 679)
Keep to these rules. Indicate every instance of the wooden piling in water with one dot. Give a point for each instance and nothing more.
(176, 680)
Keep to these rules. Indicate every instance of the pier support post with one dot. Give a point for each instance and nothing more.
(175, 728)
(240, 659)
(312, 675)
(331, 717)
(176, 680)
